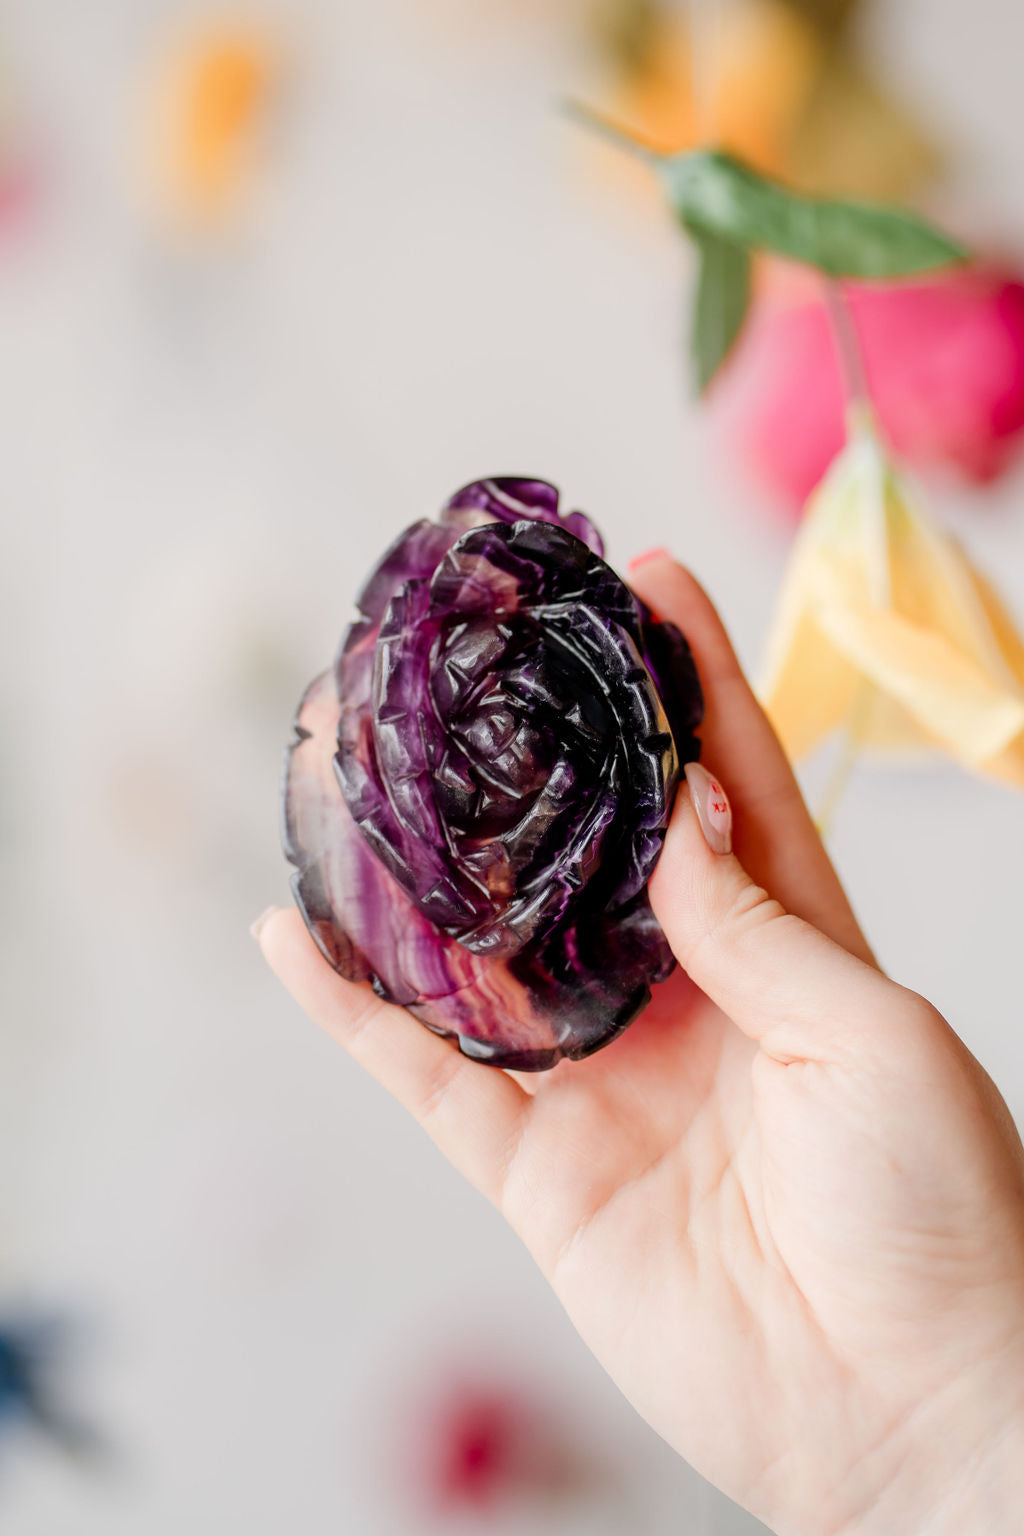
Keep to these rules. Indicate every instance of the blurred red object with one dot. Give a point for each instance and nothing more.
(944, 359)
(479, 1450)
(473, 1445)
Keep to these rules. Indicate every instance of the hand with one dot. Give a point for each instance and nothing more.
(786, 1208)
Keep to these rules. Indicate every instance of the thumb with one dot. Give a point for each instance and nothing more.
(782, 981)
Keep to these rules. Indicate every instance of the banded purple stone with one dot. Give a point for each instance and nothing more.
(478, 791)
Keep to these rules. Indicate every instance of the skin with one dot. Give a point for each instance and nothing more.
(786, 1209)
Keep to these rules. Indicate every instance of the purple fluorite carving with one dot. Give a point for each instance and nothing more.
(479, 789)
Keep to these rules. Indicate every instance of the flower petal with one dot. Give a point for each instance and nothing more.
(953, 700)
(310, 836)
(413, 555)
(509, 499)
(809, 688)
(479, 790)
(1004, 631)
(567, 999)
(812, 691)
(669, 660)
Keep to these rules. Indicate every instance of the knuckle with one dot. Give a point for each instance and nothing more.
(748, 909)
(919, 1019)
(730, 918)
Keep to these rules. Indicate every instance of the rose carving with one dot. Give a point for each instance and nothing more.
(479, 789)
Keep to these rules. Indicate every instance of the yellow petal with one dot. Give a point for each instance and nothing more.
(889, 729)
(954, 701)
(811, 692)
(1009, 641)
(809, 689)
(933, 585)
(884, 628)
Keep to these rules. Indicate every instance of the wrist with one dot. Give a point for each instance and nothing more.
(962, 1470)
(989, 1497)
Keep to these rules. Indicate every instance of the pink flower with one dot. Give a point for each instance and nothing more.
(944, 358)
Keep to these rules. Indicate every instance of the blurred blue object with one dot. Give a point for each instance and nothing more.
(16, 1375)
(29, 1356)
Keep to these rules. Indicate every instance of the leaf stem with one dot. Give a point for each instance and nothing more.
(849, 353)
(860, 418)
(607, 128)
(842, 769)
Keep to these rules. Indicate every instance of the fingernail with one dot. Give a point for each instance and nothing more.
(649, 554)
(261, 922)
(711, 803)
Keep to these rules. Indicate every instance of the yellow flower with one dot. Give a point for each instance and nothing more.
(765, 63)
(776, 89)
(883, 627)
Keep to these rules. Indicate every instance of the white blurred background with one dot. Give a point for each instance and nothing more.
(204, 441)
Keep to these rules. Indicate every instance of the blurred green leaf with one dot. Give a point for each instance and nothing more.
(720, 304)
(714, 194)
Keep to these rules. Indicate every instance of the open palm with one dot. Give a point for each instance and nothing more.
(786, 1208)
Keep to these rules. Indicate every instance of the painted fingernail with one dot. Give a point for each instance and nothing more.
(649, 554)
(711, 803)
(261, 922)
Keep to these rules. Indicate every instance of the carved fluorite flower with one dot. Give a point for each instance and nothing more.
(479, 789)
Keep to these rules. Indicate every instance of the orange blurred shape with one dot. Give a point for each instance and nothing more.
(213, 104)
(854, 140)
(755, 69)
(773, 83)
